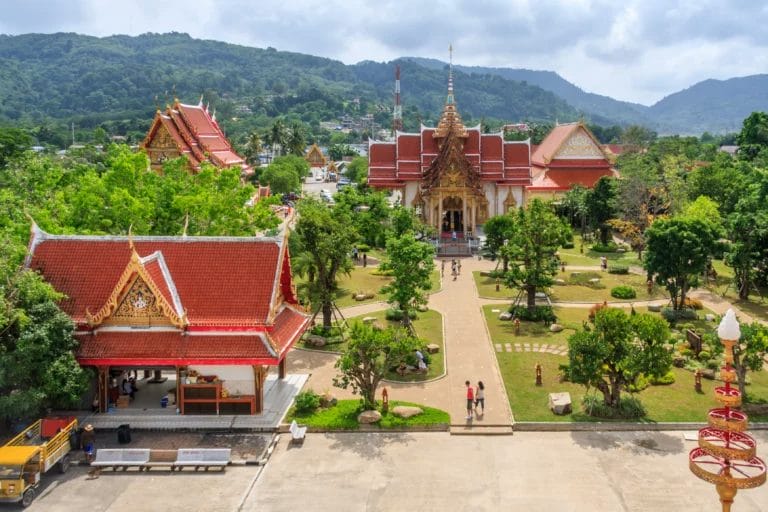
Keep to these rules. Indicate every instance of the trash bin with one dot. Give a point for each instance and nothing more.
(124, 434)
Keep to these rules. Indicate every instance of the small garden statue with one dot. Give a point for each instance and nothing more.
(649, 285)
(697, 380)
(384, 400)
(498, 282)
(517, 326)
(538, 374)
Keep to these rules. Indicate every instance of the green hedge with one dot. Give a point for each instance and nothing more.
(396, 315)
(618, 269)
(609, 247)
(672, 316)
(623, 292)
(536, 314)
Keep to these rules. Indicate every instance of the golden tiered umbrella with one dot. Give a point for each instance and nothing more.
(726, 455)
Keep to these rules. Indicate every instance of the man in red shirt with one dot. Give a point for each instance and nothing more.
(470, 400)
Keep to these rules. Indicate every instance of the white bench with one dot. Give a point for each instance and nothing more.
(202, 458)
(121, 458)
(297, 432)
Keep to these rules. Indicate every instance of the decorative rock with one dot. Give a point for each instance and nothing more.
(327, 400)
(422, 307)
(621, 249)
(505, 316)
(405, 411)
(560, 403)
(316, 341)
(555, 328)
(709, 317)
(433, 348)
(594, 280)
(360, 296)
(575, 274)
(541, 295)
(655, 308)
(367, 417)
(560, 281)
(708, 373)
(369, 319)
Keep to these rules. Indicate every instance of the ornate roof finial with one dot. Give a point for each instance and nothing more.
(200, 103)
(450, 120)
(450, 100)
(186, 224)
(130, 238)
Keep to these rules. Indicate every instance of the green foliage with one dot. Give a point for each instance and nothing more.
(609, 247)
(664, 380)
(281, 178)
(343, 416)
(536, 235)
(357, 170)
(321, 246)
(641, 382)
(369, 211)
(619, 348)
(369, 354)
(536, 314)
(672, 315)
(623, 292)
(601, 206)
(628, 408)
(411, 264)
(618, 269)
(13, 142)
(704, 355)
(397, 315)
(307, 401)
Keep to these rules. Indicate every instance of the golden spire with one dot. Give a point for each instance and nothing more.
(450, 120)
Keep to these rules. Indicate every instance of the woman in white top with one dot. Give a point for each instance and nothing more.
(480, 396)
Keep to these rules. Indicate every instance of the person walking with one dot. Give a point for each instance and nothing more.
(470, 399)
(88, 443)
(458, 267)
(480, 397)
(442, 268)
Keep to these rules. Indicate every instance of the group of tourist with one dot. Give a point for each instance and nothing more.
(475, 397)
(455, 268)
(356, 256)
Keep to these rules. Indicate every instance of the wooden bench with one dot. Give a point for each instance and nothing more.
(121, 458)
(202, 458)
(297, 432)
(160, 459)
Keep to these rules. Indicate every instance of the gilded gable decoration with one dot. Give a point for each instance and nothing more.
(579, 145)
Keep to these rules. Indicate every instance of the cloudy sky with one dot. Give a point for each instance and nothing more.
(634, 50)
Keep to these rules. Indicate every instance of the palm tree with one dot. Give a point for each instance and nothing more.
(296, 141)
(278, 136)
(253, 147)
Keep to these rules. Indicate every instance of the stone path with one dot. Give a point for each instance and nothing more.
(558, 350)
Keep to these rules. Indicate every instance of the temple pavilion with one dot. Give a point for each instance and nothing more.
(190, 131)
(215, 311)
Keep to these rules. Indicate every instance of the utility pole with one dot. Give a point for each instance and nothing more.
(73, 133)
(397, 113)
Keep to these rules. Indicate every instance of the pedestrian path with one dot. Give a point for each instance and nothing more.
(558, 350)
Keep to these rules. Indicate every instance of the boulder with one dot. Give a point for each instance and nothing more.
(655, 308)
(560, 281)
(433, 348)
(505, 316)
(594, 280)
(541, 295)
(327, 400)
(555, 328)
(359, 296)
(368, 417)
(709, 317)
(369, 319)
(405, 411)
(621, 250)
(422, 307)
(560, 403)
(708, 373)
(315, 340)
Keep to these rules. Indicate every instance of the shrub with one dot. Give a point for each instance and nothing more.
(686, 352)
(693, 303)
(618, 269)
(704, 356)
(396, 315)
(594, 309)
(609, 247)
(623, 292)
(361, 248)
(307, 401)
(713, 364)
(641, 382)
(568, 245)
(672, 316)
(319, 330)
(536, 314)
(629, 408)
(664, 380)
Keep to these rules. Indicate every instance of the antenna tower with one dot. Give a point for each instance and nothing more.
(397, 113)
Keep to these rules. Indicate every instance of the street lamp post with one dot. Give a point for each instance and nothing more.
(726, 455)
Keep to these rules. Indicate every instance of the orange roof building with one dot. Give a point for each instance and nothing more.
(190, 131)
(220, 306)
(315, 156)
(570, 155)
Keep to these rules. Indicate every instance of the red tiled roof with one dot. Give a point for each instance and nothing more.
(219, 280)
(289, 325)
(171, 348)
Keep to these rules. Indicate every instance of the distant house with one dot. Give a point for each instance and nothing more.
(190, 131)
(731, 150)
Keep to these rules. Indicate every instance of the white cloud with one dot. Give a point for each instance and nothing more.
(633, 50)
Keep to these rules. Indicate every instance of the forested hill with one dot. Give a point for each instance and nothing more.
(89, 80)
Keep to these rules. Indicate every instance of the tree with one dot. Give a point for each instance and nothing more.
(38, 369)
(410, 263)
(753, 138)
(357, 170)
(296, 143)
(601, 205)
(536, 236)
(278, 136)
(677, 251)
(498, 230)
(750, 352)
(637, 138)
(253, 148)
(748, 235)
(371, 352)
(575, 207)
(323, 238)
(619, 348)
(281, 178)
(13, 142)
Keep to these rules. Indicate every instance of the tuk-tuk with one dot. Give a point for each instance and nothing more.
(34, 451)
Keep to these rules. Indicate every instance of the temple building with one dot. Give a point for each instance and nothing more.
(456, 177)
(315, 156)
(190, 131)
(216, 312)
(570, 155)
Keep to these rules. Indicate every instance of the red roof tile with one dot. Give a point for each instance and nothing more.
(561, 179)
(219, 280)
(289, 325)
(171, 348)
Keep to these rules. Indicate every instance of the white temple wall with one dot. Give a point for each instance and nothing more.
(411, 188)
(236, 379)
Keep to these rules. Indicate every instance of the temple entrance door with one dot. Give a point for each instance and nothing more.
(453, 215)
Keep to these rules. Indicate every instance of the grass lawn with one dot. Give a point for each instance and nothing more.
(486, 287)
(675, 402)
(343, 416)
(429, 327)
(589, 257)
(753, 306)
(365, 280)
